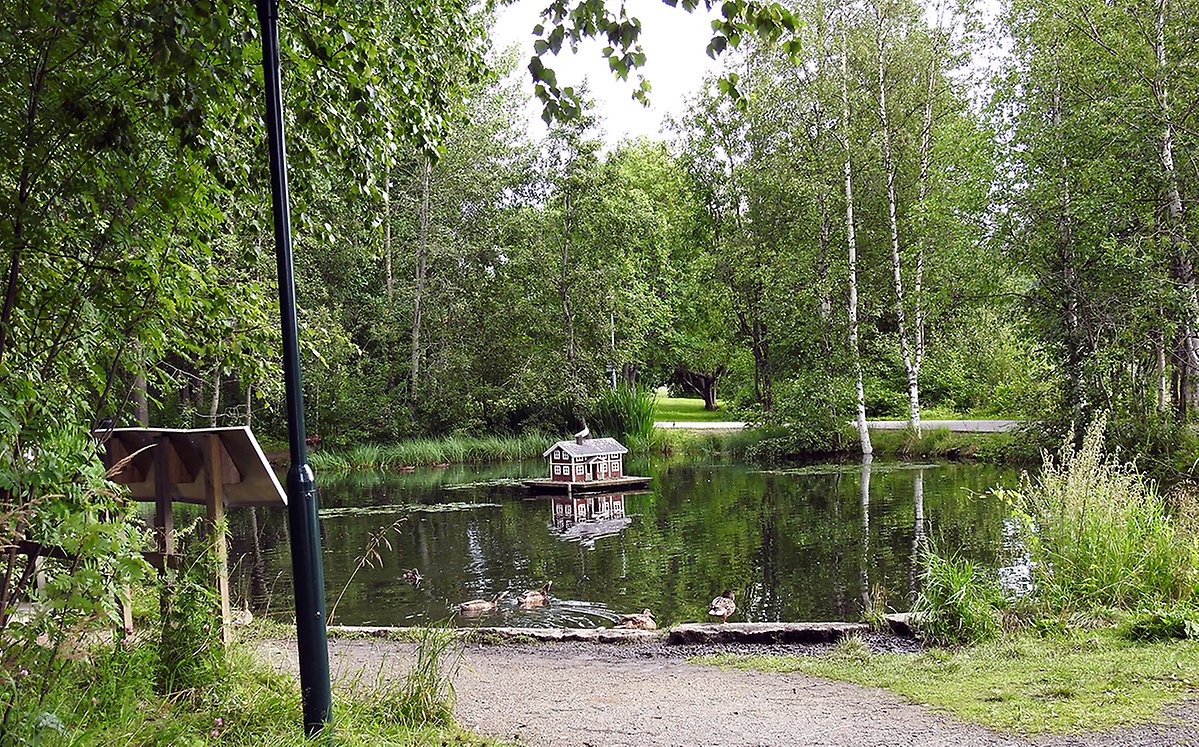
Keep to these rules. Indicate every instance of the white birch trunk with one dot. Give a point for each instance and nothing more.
(889, 168)
(214, 408)
(851, 240)
(567, 319)
(387, 234)
(422, 249)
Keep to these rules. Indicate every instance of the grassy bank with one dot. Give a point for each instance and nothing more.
(1080, 681)
(766, 444)
(108, 697)
(1013, 447)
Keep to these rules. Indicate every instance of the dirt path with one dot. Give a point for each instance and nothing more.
(613, 696)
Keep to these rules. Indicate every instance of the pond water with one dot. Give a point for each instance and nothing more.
(805, 543)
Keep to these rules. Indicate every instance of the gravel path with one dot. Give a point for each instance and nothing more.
(588, 695)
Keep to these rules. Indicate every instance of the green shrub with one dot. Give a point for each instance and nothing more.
(1099, 534)
(191, 655)
(1174, 621)
(958, 603)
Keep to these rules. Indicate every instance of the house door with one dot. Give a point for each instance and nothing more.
(590, 471)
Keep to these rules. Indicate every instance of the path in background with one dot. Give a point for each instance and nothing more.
(954, 426)
(561, 695)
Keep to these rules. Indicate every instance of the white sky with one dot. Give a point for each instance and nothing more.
(674, 42)
(676, 63)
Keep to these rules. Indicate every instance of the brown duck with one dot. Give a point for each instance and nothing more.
(535, 597)
(643, 620)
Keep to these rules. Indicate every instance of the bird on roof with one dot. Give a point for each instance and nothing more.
(535, 597)
(643, 620)
(585, 433)
(479, 606)
(722, 606)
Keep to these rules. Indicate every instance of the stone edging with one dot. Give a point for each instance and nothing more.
(685, 634)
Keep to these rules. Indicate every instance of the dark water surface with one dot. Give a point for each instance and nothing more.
(808, 543)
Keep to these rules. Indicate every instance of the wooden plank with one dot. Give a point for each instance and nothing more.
(214, 461)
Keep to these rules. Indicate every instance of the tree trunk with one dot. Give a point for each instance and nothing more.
(922, 233)
(214, 408)
(1183, 268)
(851, 239)
(889, 168)
(422, 249)
(387, 235)
(564, 287)
(141, 404)
(1076, 396)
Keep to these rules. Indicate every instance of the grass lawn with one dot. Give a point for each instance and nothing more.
(1082, 681)
(686, 410)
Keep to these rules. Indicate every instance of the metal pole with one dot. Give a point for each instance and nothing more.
(612, 328)
(307, 569)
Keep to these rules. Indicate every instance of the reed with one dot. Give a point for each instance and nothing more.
(626, 413)
(422, 452)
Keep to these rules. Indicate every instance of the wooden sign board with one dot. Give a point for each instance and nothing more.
(246, 478)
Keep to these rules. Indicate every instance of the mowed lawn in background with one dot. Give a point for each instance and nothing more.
(687, 410)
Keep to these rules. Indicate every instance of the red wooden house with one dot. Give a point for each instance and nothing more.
(585, 460)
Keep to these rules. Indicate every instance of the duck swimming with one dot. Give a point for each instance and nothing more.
(641, 621)
(722, 606)
(535, 597)
(479, 606)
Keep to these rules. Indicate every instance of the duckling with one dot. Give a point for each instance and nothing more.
(722, 606)
(413, 576)
(242, 616)
(479, 606)
(535, 597)
(642, 621)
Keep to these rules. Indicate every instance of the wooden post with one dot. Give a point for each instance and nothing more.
(214, 499)
(164, 521)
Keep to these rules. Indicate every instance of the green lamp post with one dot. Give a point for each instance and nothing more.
(307, 569)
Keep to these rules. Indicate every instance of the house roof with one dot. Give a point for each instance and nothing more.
(589, 447)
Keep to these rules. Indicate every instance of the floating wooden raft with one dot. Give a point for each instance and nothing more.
(546, 485)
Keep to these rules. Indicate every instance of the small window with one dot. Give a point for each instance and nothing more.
(578, 469)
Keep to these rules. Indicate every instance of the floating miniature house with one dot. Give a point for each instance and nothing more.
(586, 464)
(586, 459)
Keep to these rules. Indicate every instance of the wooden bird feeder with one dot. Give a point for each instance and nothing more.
(217, 468)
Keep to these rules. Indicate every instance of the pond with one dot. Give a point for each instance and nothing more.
(804, 543)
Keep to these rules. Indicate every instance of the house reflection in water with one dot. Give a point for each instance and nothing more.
(586, 518)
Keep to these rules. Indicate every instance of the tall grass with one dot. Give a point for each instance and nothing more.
(958, 603)
(109, 697)
(626, 413)
(1100, 534)
(419, 452)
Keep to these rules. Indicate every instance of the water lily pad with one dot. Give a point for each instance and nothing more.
(402, 508)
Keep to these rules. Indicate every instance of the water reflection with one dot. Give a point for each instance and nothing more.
(797, 544)
(864, 499)
(587, 518)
